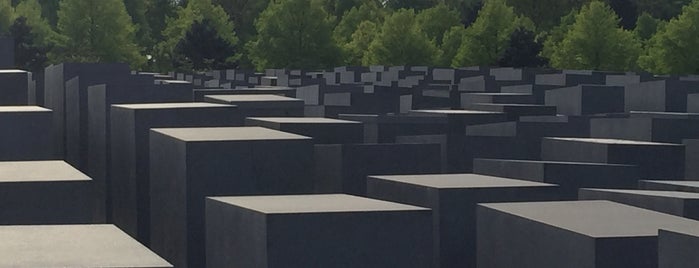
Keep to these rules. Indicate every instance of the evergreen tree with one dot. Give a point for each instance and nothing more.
(96, 31)
(137, 10)
(203, 49)
(555, 37)
(6, 15)
(596, 42)
(523, 50)
(647, 26)
(437, 20)
(487, 38)
(673, 50)
(176, 29)
(294, 34)
(29, 55)
(402, 42)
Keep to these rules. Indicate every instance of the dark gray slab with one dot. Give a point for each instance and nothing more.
(44, 192)
(26, 133)
(514, 111)
(571, 176)
(316, 231)
(691, 153)
(129, 193)
(343, 168)
(683, 186)
(261, 104)
(677, 249)
(647, 128)
(187, 164)
(453, 199)
(571, 234)
(667, 95)
(322, 130)
(587, 99)
(15, 86)
(662, 161)
(681, 204)
(199, 94)
(73, 246)
(7, 52)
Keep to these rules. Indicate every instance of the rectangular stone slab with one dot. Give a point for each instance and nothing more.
(571, 176)
(681, 204)
(26, 133)
(322, 130)
(683, 186)
(188, 164)
(73, 246)
(261, 105)
(453, 199)
(15, 87)
(663, 161)
(129, 186)
(677, 248)
(44, 192)
(316, 231)
(572, 234)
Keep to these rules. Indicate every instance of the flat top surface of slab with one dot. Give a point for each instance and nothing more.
(227, 134)
(457, 112)
(613, 141)
(251, 98)
(155, 106)
(678, 183)
(321, 203)
(304, 120)
(11, 71)
(73, 246)
(37, 171)
(461, 181)
(553, 162)
(511, 105)
(22, 109)
(669, 194)
(596, 218)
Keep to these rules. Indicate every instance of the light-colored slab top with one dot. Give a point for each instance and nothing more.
(227, 134)
(38, 171)
(173, 105)
(668, 194)
(596, 218)
(461, 181)
(614, 141)
(679, 183)
(50, 246)
(321, 203)
(303, 120)
(22, 109)
(251, 98)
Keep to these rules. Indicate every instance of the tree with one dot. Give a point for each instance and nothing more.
(555, 37)
(28, 54)
(203, 49)
(243, 13)
(468, 9)
(49, 11)
(137, 10)
(361, 39)
(42, 32)
(157, 12)
(523, 50)
(402, 42)
(487, 38)
(96, 31)
(673, 50)
(545, 13)
(437, 20)
(596, 42)
(664, 10)
(450, 44)
(293, 34)
(5, 16)
(368, 11)
(647, 26)
(176, 29)
(410, 4)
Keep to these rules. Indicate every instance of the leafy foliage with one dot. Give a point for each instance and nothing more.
(28, 54)
(437, 20)
(674, 48)
(402, 42)
(203, 49)
(523, 51)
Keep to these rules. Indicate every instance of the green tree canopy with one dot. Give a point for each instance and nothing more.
(294, 34)
(555, 37)
(410, 4)
(6, 15)
(203, 49)
(488, 36)
(137, 10)
(96, 31)
(545, 13)
(673, 50)
(597, 42)
(523, 50)
(437, 20)
(42, 32)
(451, 42)
(355, 50)
(176, 29)
(28, 54)
(647, 26)
(368, 11)
(401, 41)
